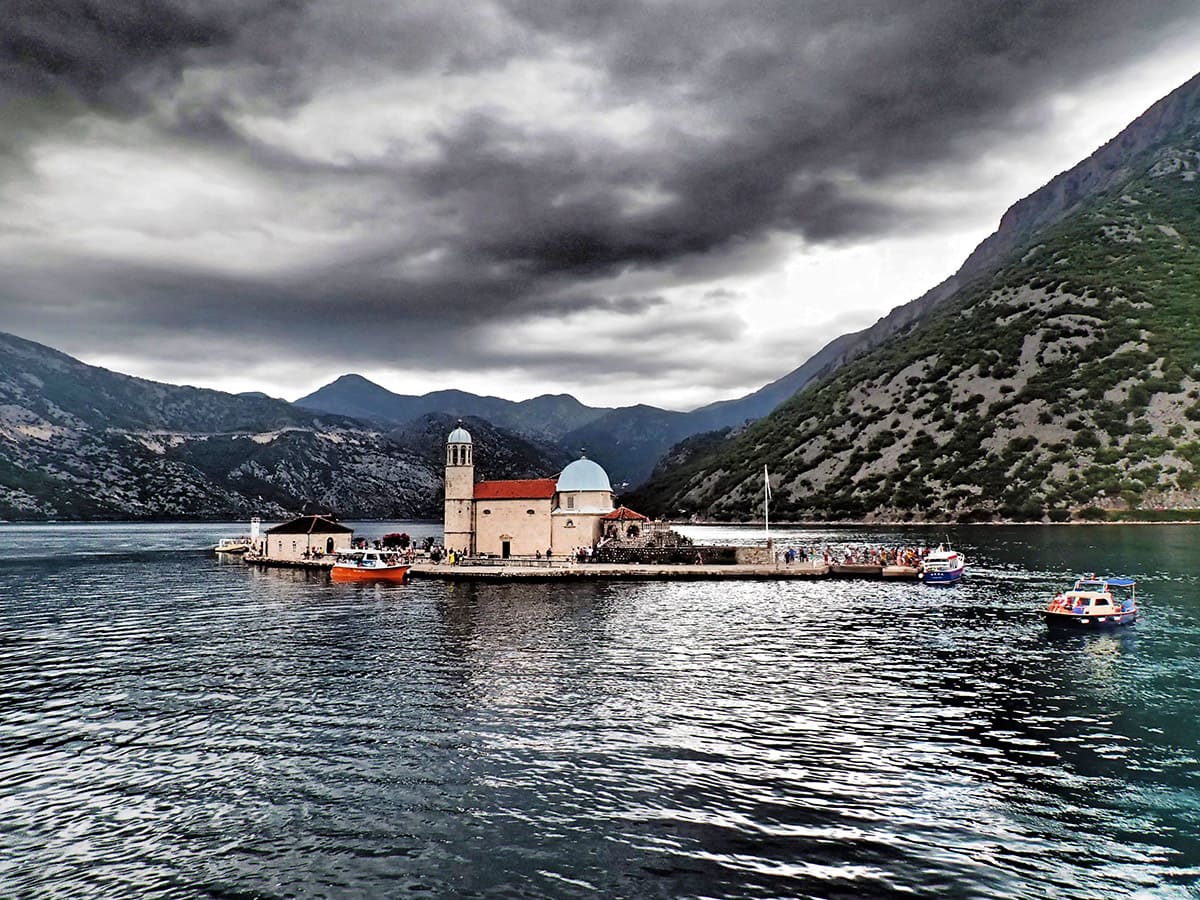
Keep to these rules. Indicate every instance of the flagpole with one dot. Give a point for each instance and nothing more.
(767, 503)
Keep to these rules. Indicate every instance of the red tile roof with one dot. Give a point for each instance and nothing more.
(623, 513)
(525, 489)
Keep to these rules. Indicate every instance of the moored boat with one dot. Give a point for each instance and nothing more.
(247, 543)
(1094, 603)
(368, 565)
(943, 566)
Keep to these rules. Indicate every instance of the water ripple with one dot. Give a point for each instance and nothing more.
(174, 726)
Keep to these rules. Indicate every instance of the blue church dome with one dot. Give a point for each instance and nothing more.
(584, 475)
(459, 435)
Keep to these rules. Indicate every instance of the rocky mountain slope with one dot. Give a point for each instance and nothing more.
(1053, 202)
(1057, 375)
(626, 441)
(81, 442)
(498, 453)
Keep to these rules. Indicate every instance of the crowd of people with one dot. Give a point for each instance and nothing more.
(395, 557)
(855, 555)
(455, 557)
(827, 555)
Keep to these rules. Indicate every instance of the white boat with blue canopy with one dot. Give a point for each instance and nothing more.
(1095, 603)
(943, 566)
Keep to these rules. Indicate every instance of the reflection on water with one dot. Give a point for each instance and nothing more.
(178, 724)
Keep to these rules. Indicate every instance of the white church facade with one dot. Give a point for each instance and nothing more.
(527, 516)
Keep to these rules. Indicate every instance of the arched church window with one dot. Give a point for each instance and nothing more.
(570, 524)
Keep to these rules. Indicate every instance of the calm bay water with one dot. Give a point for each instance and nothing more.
(178, 725)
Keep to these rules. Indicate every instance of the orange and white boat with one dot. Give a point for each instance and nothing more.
(1095, 603)
(368, 565)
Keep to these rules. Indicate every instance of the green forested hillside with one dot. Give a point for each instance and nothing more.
(1065, 384)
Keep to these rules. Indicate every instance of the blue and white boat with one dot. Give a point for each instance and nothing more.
(1094, 603)
(943, 566)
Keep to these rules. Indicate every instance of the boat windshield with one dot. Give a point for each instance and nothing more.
(1092, 586)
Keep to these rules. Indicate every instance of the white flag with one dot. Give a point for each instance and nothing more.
(767, 480)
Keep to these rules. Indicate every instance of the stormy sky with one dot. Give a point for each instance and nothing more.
(655, 202)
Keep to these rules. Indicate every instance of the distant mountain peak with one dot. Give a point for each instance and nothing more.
(353, 378)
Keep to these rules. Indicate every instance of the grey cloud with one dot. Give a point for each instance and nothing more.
(765, 119)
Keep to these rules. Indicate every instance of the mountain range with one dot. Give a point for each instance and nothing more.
(631, 441)
(1055, 375)
(628, 440)
(81, 442)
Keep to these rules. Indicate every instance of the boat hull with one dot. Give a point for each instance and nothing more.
(1088, 621)
(949, 577)
(397, 574)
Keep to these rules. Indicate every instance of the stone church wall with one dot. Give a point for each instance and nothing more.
(524, 523)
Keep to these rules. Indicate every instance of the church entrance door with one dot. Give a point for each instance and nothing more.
(505, 549)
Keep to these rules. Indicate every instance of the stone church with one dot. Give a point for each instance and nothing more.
(527, 516)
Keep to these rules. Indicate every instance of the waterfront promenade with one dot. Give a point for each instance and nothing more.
(615, 572)
(572, 571)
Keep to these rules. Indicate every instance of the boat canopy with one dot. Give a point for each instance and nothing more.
(1121, 582)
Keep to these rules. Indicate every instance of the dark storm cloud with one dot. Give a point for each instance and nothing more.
(750, 120)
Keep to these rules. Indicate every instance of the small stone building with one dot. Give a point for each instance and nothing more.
(624, 524)
(306, 535)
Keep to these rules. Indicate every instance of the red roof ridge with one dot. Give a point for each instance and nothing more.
(624, 512)
(516, 489)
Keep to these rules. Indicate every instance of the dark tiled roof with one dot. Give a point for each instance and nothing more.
(526, 489)
(311, 525)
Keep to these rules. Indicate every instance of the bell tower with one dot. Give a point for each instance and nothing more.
(458, 528)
